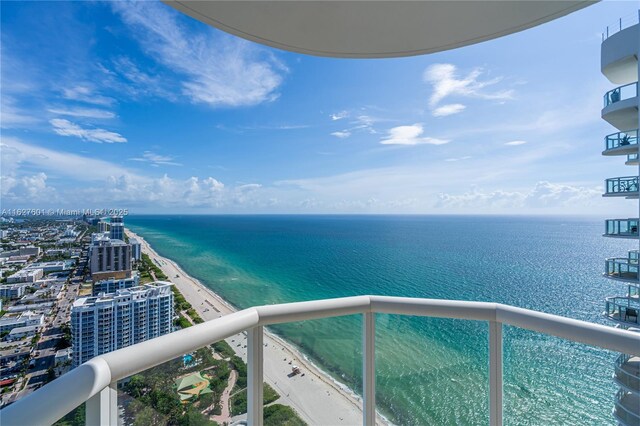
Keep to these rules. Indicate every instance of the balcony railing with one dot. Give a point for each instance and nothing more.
(624, 309)
(621, 268)
(621, 93)
(95, 381)
(627, 372)
(623, 228)
(621, 24)
(632, 159)
(621, 139)
(627, 408)
(621, 185)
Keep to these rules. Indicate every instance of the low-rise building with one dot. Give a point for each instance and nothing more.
(19, 333)
(54, 266)
(12, 291)
(26, 276)
(9, 322)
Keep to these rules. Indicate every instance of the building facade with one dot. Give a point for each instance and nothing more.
(112, 285)
(136, 249)
(116, 228)
(619, 64)
(109, 258)
(117, 320)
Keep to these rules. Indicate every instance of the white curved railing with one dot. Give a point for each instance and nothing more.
(94, 382)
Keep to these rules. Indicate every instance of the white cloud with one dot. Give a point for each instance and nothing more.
(83, 112)
(85, 92)
(445, 82)
(156, 159)
(28, 188)
(341, 134)
(220, 69)
(450, 160)
(515, 143)
(339, 115)
(449, 109)
(67, 128)
(543, 195)
(410, 135)
(11, 116)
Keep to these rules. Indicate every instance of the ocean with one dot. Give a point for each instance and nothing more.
(429, 371)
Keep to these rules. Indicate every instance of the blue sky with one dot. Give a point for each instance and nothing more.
(135, 105)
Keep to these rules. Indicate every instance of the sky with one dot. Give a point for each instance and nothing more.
(134, 105)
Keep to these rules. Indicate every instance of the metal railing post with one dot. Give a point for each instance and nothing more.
(255, 376)
(495, 373)
(369, 369)
(102, 408)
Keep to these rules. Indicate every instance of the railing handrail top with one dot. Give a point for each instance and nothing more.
(627, 219)
(75, 387)
(633, 83)
(623, 177)
(626, 132)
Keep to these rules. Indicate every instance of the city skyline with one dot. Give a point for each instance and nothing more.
(112, 113)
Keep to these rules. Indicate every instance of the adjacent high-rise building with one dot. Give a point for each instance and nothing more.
(103, 226)
(116, 320)
(112, 285)
(116, 228)
(136, 249)
(109, 258)
(619, 63)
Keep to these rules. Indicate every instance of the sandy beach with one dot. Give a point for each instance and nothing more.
(317, 398)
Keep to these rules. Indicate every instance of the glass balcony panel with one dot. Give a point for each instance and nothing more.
(621, 268)
(633, 256)
(627, 372)
(627, 408)
(632, 158)
(622, 185)
(621, 93)
(619, 139)
(621, 227)
(547, 386)
(76, 417)
(432, 371)
(623, 309)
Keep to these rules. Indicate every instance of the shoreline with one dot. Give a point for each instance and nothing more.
(309, 395)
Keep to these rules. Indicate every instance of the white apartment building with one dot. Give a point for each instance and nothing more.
(112, 285)
(12, 291)
(112, 321)
(26, 276)
(136, 249)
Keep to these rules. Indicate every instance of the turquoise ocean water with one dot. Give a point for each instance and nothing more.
(429, 371)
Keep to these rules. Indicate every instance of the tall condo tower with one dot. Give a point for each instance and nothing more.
(619, 63)
(116, 228)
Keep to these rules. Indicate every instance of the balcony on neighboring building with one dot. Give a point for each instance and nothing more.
(622, 268)
(621, 107)
(627, 372)
(632, 160)
(622, 309)
(621, 143)
(627, 408)
(619, 50)
(626, 186)
(621, 228)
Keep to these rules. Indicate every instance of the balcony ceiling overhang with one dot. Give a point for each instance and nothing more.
(373, 29)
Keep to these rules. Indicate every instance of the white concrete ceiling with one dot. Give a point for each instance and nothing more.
(373, 29)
